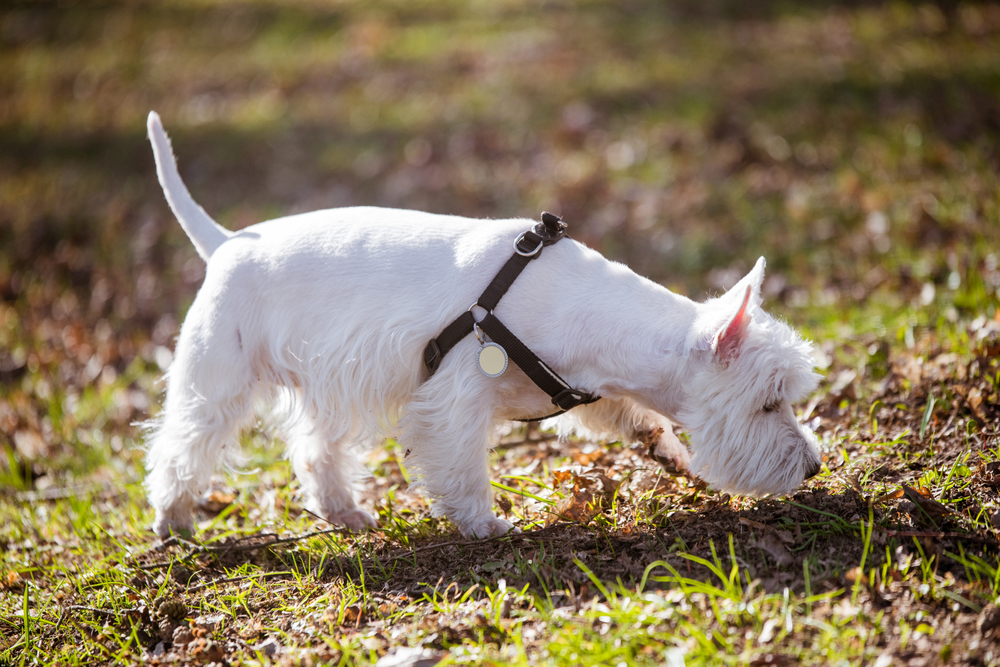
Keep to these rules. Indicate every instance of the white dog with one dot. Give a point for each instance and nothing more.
(332, 310)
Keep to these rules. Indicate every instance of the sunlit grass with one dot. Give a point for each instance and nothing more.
(850, 147)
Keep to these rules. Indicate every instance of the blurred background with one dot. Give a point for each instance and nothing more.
(853, 144)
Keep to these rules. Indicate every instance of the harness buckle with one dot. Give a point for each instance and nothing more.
(432, 356)
(553, 224)
(568, 399)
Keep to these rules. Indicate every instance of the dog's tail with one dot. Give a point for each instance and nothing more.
(206, 234)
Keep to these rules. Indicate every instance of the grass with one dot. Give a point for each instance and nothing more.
(855, 145)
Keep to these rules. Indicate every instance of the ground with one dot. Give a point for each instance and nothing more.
(855, 145)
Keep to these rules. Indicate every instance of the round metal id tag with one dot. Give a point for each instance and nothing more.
(492, 360)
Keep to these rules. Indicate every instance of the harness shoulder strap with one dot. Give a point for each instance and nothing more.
(527, 247)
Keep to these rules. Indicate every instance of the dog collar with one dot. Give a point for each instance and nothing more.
(527, 247)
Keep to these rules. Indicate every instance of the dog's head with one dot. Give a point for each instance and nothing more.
(748, 368)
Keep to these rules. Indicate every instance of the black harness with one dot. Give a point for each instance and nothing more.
(527, 247)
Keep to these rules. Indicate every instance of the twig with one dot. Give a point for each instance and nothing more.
(228, 580)
(221, 548)
(241, 544)
(317, 516)
(98, 610)
(62, 617)
(155, 566)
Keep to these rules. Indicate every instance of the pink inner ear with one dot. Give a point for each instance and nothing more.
(731, 338)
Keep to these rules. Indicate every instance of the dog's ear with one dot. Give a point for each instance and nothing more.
(722, 326)
(746, 293)
(752, 281)
(729, 340)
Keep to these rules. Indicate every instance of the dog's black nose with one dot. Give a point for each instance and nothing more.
(814, 470)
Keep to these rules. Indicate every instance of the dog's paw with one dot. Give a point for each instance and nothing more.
(165, 525)
(488, 527)
(354, 519)
(670, 453)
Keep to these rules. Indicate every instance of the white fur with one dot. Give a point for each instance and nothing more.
(333, 309)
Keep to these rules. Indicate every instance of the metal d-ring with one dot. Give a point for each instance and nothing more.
(475, 324)
(526, 254)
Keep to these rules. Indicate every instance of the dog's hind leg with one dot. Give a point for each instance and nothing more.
(448, 435)
(327, 468)
(209, 399)
(624, 419)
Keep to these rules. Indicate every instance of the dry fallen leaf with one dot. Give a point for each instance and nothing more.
(580, 507)
(856, 575)
(932, 508)
(607, 485)
(891, 495)
(11, 582)
(503, 502)
(753, 524)
(975, 399)
(589, 457)
(253, 629)
(216, 501)
(560, 476)
(852, 481)
(770, 543)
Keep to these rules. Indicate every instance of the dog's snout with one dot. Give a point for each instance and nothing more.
(814, 470)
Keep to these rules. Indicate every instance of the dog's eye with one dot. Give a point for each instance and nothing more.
(772, 406)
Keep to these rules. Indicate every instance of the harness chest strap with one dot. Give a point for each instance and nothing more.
(527, 247)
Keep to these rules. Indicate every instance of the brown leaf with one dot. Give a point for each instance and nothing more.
(753, 524)
(503, 502)
(856, 575)
(843, 386)
(560, 476)
(252, 630)
(580, 507)
(216, 501)
(975, 399)
(891, 495)
(989, 618)
(353, 613)
(929, 506)
(852, 481)
(600, 479)
(699, 483)
(770, 543)
(590, 457)
(12, 582)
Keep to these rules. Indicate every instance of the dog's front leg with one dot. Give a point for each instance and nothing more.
(625, 420)
(447, 437)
